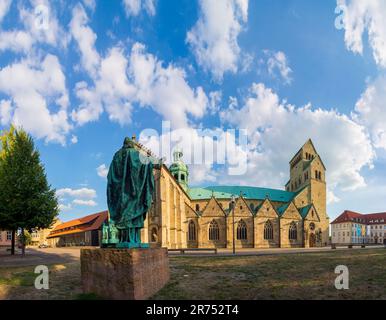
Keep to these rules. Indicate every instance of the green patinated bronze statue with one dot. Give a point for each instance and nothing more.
(130, 187)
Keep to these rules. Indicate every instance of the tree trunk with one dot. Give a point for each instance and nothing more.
(22, 242)
(13, 242)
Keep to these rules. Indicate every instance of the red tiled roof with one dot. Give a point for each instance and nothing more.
(372, 218)
(87, 223)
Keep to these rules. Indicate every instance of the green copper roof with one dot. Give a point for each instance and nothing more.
(303, 211)
(225, 192)
(282, 209)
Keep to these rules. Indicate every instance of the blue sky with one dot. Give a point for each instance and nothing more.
(82, 75)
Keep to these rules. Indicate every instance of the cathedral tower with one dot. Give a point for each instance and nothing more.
(308, 176)
(179, 169)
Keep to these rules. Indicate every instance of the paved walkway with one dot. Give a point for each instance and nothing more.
(39, 256)
(65, 255)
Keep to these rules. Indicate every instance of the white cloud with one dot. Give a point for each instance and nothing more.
(102, 171)
(111, 92)
(16, 40)
(277, 130)
(133, 7)
(82, 193)
(120, 81)
(65, 207)
(4, 8)
(165, 89)
(42, 24)
(37, 86)
(74, 139)
(85, 38)
(5, 112)
(370, 110)
(361, 16)
(331, 197)
(90, 203)
(90, 4)
(277, 63)
(213, 39)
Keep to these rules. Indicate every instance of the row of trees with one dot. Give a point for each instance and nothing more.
(27, 201)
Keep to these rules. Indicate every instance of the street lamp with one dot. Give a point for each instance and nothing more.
(233, 204)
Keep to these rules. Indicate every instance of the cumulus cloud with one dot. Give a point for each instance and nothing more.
(36, 86)
(102, 171)
(277, 130)
(133, 7)
(119, 81)
(361, 17)
(213, 39)
(82, 193)
(85, 38)
(4, 8)
(371, 112)
(69, 197)
(277, 63)
(89, 203)
(165, 89)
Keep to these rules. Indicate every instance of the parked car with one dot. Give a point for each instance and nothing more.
(43, 245)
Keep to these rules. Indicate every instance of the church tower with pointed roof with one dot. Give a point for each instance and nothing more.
(179, 169)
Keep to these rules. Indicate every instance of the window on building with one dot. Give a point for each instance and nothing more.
(214, 231)
(268, 231)
(9, 235)
(192, 231)
(293, 231)
(182, 177)
(176, 176)
(197, 207)
(252, 207)
(312, 226)
(241, 230)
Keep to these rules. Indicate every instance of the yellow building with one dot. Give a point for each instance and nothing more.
(39, 236)
(183, 217)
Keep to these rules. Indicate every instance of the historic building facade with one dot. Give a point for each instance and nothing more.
(183, 217)
(356, 228)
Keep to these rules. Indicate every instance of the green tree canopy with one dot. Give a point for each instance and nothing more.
(26, 199)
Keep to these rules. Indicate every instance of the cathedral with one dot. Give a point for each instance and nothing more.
(252, 217)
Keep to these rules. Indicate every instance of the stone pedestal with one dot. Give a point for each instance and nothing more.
(124, 274)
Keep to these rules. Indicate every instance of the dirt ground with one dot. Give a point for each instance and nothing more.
(279, 276)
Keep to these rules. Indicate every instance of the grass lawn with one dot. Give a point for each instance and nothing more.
(290, 276)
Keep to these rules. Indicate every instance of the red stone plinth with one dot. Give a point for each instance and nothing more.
(124, 274)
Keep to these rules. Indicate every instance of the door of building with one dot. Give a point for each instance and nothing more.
(95, 238)
(312, 240)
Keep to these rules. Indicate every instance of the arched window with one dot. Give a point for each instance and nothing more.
(268, 231)
(293, 231)
(154, 235)
(241, 230)
(182, 177)
(197, 207)
(312, 226)
(252, 207)
(214, 231)
(192, 231)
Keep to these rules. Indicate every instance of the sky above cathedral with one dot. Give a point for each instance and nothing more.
(79, 76)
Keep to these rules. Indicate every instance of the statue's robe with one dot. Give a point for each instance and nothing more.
(130, 188)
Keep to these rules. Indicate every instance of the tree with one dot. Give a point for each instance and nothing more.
(26, 199)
